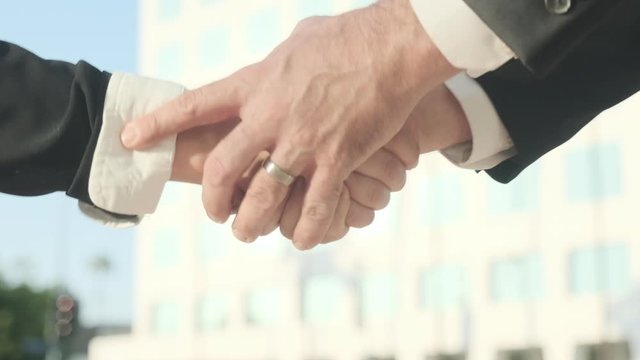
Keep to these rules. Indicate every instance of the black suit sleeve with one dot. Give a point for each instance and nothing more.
(541, 114)
(541, 38)
(50, 119)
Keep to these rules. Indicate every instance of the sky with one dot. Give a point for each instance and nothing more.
(46, 240)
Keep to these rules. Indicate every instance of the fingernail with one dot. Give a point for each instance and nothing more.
(243, 237)
(302, 245)
(216, 219)
(129, 135)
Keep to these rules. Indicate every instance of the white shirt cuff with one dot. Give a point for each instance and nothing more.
(462, 37)
(123, 181)
(491, 142)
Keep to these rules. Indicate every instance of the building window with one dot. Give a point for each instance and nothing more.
(520, 195)
(165, 318)
(264, 307)
(212, 313)
(215, 47)
(265, 31)
(594, 173)
(322, 298)
(604, 351)
(315, 8)
(442, 201)
(169, 9)
(379, 296)
(443, 287)
(460, 356)
(517, 279)
(166, 248)
(213, 241)
(521, 354)
(600, 269)
(170, 61)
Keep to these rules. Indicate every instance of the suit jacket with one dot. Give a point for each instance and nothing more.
(543, 32)
(542, 113)
(50, 119)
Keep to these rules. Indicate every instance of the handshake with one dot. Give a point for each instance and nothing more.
(315, 137)
(266, 196)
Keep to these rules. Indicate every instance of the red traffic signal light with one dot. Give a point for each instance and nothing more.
(65, 308)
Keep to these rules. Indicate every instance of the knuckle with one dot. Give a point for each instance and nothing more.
(187, 103)
(361, 219)
(378, 198)
(318, 211)
(261, 197)
(216, 173)
(395, 174)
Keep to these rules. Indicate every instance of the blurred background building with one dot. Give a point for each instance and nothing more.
(459, 267)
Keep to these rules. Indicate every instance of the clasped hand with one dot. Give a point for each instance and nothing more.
(329, 105)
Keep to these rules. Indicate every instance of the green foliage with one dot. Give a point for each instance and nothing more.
(24, 315)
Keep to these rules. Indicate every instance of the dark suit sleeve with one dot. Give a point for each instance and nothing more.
(50, 119)
(541, 114)
(540, 37)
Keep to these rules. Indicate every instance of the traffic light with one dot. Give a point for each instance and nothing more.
(66, 311)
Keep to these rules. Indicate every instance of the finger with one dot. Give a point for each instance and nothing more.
(273, 219)
(359, 216)
(405, 146)
(386, 168)
(368, 192)
(264, 197)
(339, 228)
(292, 209)
(224, 168)
(319, 205)
(212, 103)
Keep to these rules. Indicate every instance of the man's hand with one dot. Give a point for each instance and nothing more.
(371, 183)
(322, 103)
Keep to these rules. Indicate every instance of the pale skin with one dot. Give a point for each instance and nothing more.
(323, 102)
(437, 122)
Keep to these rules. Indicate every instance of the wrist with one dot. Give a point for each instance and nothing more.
(420, 65)
(439, 121)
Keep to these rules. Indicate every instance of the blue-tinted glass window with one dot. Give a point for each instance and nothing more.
(600, 269)
(321, 298)
(315, 8)
(264, 307)
(594, 173)
(444, 287)
(265, 30)
(520, 195)
(517, 279)
(165, 318)
(169, 9)
(443, 200)
(213, 312)
(166, 248)
(213, 241)
(170, 61)
(215, 47)
(379, 295)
